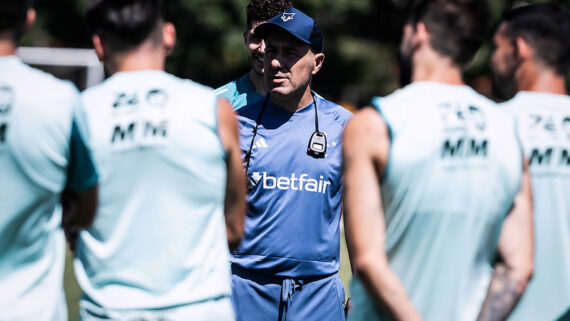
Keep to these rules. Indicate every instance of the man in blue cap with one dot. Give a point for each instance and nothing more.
(250, 87)
(286, 266)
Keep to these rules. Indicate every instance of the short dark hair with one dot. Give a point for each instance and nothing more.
(124, 24)
(13, 14)
(546, 28)
(457, 28)
(263, 10)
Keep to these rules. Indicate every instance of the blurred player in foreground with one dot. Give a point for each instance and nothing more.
(42, 154)
(532, 55)
(251, 87)
(286, 266)
(170, 166)
(435, 185)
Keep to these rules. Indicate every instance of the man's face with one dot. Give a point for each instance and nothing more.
(289, 64)
(505, 61)
(255, 48)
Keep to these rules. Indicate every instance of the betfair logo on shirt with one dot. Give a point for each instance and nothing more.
(300, 183)
(286, 16)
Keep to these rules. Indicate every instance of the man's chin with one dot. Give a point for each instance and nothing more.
(279, 92)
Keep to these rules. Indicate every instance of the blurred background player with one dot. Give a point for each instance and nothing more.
(286, 266)
(435, 185)
(251, 87)
(42, 153)
(532, 52)
(168, 154)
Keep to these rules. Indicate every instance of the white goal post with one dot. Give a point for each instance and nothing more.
(78, 65)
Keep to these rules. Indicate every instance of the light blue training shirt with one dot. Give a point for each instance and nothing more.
(159, 238)
(42, 152)
(544, 129)
(239, 92)
(453, 172)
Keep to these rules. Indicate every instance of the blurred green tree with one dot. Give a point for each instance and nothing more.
(361, 41)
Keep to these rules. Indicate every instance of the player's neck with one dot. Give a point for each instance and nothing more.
(141, 58)
(293, 102)
(258, 82)
(7, 46)
(430, 66)
(539, 79)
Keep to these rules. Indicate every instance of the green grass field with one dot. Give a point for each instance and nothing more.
(73, 292)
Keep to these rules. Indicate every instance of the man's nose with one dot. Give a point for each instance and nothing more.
(262, 46)
(275, 62)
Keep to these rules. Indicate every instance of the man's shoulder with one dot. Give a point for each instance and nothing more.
(231, 89)
(338, 113)
(239, 92)
(172, 85)
(43, 92)
(250, 112)
(227, 90)
(46, 85)
(536, 102)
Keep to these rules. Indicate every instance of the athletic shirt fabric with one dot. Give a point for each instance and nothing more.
(239, 92)
(453, 172)
(41, 153)
(292, 224)
(544, 129)
(159, 238)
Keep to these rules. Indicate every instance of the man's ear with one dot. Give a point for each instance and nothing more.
(319, 59)
(421, 35)
(98, 46)
(30, 19)
(168, 37)
(523, 49)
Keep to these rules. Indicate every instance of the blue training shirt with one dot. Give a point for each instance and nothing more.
(239, 92)
(292, 224)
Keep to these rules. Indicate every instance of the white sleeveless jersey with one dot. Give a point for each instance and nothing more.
(159, 238)
(39, 142)
(544, 128)
(453, 172)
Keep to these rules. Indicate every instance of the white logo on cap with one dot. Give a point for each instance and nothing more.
(286, 16)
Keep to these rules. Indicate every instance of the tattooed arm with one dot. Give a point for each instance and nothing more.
(514, 269)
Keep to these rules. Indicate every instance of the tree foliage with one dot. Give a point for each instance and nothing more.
(361, 40)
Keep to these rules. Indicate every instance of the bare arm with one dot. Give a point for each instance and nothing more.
(78, 212)
(234, 203)
(515, 250)
(365, 152)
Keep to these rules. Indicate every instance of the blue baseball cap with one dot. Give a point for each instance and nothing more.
(297, 24)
